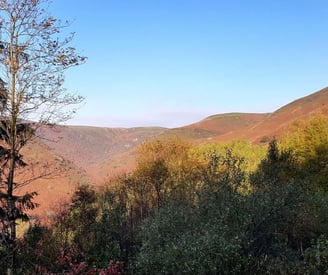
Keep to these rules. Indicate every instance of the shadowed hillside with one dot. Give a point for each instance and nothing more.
(98, 150)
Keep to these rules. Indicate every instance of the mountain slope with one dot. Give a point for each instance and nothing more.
(225, 124)
(54, 178)
(93, 148)
(103, 152)
(276, 123)
(93, 154)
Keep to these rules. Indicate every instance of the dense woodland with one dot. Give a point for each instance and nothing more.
(233, 208)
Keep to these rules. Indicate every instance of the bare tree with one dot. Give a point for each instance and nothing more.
(33, 58)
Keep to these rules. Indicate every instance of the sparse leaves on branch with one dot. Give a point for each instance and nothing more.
(34, 54)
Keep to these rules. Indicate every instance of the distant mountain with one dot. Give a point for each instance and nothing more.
(97, 150)
(103, 152)
(95, 153)
(276, 123)
(223, 124)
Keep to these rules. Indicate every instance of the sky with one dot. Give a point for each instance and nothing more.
(171, 63)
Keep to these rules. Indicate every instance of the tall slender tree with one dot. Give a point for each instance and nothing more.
(33, 58)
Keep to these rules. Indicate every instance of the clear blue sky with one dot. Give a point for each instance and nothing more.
(173, 62)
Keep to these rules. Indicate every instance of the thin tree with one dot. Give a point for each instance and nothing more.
(33, 58)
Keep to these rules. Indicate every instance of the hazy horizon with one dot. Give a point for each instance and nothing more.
(173, 62)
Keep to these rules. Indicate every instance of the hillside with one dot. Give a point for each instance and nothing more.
(226, 124)
(55, 178)
(105, 152)
(93, 154)
(274, 124)
(99, 152)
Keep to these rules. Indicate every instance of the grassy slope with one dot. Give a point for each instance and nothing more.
(279, 121)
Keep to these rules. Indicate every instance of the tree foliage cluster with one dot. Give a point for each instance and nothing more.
(197, 210)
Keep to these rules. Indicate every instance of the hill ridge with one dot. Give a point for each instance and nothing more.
(94, 154)
(108, 142)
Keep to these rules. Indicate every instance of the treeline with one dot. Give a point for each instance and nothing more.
(232, 208)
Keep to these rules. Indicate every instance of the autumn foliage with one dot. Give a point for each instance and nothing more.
(233, 208)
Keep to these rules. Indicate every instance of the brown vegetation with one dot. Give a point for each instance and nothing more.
(93, 154)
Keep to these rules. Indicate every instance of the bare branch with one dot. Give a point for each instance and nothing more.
(33, 60)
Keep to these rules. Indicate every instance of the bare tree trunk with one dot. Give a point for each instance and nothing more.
(12, 163)
(32, 63)
(11, 216)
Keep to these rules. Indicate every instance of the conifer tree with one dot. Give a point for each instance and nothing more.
(33, 59)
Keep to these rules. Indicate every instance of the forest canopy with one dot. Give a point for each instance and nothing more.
(233, 208)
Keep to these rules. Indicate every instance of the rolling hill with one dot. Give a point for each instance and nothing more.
(93, 154)
(94, 149)
(276, 123)
(103, 152)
